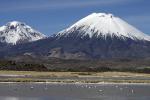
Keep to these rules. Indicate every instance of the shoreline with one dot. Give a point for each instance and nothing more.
(74, 77)
(100, 83)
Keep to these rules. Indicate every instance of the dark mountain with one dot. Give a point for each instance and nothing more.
(96, 36)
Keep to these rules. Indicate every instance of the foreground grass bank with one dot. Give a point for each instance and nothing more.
(73, 77)
(27, 63)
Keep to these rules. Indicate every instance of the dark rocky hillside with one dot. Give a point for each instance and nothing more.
(80, 48)
(53, 64)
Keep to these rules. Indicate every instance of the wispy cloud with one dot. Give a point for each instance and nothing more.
(55, 4)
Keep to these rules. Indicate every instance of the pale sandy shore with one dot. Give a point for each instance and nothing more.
(75, 77)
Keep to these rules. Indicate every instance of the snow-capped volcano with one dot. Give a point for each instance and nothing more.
(97, 36)
(17, 32)
(103, 25)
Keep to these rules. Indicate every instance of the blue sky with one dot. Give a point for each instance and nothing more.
(51, 16)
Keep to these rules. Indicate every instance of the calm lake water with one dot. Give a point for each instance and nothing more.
(38, 91)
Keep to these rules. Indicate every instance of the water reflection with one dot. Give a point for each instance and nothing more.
(9, 98)
(47, 91)
(17, 98)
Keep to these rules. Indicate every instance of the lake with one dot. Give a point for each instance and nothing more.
(61, 91)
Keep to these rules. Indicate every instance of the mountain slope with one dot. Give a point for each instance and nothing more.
(103, 25)
(81, 48)
(97, 36)
(17, 32)
(101, 35)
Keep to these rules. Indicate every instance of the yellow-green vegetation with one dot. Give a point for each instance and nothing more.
(72, 77)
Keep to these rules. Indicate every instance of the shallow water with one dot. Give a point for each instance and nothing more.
(36, 91)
